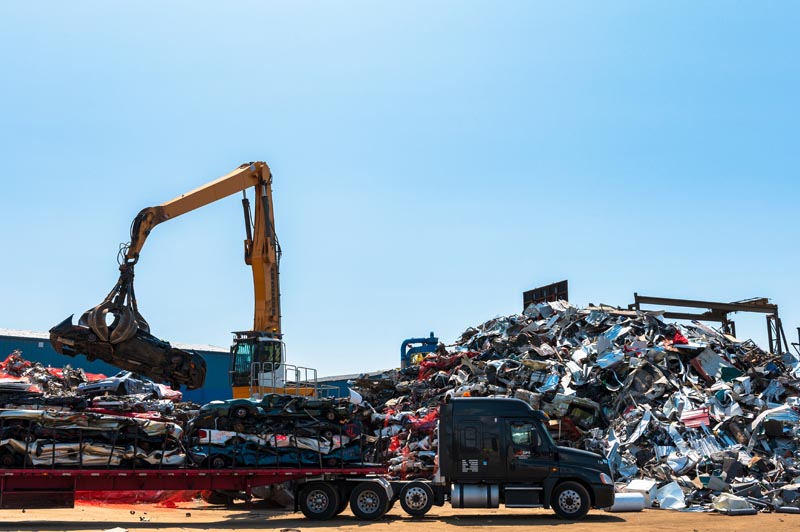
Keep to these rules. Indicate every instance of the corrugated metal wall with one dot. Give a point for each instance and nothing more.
(38, 350)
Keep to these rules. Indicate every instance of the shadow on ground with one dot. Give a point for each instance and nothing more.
(255, 517)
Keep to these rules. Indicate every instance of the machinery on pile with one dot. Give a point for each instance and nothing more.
(426, 345)
(115, 332)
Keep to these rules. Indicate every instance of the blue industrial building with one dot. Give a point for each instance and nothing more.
(35, 346)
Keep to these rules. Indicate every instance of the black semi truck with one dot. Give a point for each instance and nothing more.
(492, 451)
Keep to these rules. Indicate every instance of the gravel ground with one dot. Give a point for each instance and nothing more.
(194, 516)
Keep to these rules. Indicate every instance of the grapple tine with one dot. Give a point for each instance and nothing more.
(125, 327)
(96, 320)
(141, 322)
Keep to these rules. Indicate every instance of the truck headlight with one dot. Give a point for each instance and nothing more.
(605, 479)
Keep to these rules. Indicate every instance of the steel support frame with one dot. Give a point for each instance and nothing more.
(718, 312)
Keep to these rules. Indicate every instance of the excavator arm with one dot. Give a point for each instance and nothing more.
(116, 341)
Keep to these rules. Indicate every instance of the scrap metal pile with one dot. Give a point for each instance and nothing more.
(66, 417)
(47, 438)
(278, 430)
(711, 420)
(691, 417)
(53, 417)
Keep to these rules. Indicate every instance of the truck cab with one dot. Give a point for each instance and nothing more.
(492, 451)
(496, 451)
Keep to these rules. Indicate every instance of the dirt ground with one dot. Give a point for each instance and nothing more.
(196, 516)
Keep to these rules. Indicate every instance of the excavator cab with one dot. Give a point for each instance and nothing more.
(254, 354)
(258, 368)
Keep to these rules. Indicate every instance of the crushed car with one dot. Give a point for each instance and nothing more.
(143, 354)
(128, 383)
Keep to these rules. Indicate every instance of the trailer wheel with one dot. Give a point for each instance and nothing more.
(570, 500)
(369, 501)
(416, 498)
(319, 501)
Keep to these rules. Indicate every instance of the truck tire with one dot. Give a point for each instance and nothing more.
(319, 501)
(369, 501)
(570, 500)
(416, 498)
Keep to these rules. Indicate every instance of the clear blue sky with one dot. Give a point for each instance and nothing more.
(431, 160)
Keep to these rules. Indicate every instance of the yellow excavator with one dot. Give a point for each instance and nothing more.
(116, 332)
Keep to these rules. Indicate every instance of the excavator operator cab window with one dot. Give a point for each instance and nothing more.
(266, 354)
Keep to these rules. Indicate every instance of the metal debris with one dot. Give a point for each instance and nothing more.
(693, 419)
(691, 411)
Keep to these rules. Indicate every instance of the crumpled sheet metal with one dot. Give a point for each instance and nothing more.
(45, 421)
(674, 403)
(49, 438)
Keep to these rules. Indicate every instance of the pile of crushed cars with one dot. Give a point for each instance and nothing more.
(702, 420)
(66, 417)
(278, 431)
(54, 417)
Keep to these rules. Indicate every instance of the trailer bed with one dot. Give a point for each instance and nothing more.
(55, 488)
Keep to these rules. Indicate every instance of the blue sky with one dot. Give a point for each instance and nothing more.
(432, 160)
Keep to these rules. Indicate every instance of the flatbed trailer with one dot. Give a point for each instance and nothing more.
(56, 488)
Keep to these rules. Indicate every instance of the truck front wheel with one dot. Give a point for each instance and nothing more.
(416, 498)
(369, 501)
(570, 501)
(319, 501)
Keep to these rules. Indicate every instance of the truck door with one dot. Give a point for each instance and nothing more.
(529, 457)
(471, 460)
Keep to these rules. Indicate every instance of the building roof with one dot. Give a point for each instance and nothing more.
(34, 335)
(353, 376)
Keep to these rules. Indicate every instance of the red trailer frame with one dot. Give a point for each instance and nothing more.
(55, 488)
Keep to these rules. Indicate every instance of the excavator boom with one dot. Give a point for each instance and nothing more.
(126, 341)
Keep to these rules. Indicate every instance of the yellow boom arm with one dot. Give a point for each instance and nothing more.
(261, 252)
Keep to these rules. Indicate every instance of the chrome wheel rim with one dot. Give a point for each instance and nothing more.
(317, 501)
(368, 502)
(569, 501)
(416, 498)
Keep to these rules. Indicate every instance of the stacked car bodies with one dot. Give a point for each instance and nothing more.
(87, 439)
(278, 430)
